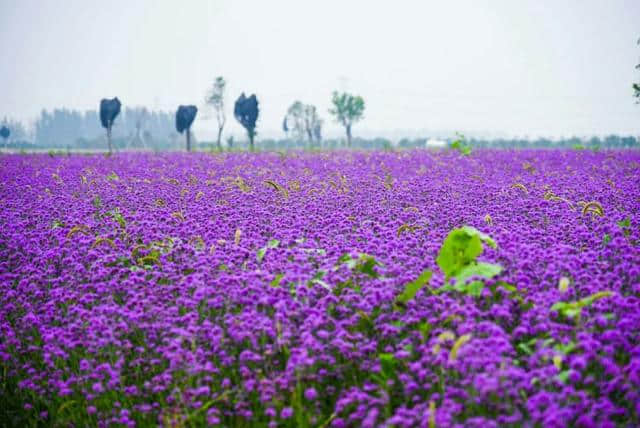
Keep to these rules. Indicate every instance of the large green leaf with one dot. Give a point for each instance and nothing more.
(485, 270)
(483, 236)
(458, 250)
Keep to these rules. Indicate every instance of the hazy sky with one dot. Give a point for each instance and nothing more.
(539, 67)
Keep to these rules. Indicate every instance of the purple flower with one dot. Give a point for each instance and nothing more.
(286, 412)
(310, 394)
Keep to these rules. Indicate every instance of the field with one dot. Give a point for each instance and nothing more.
(329, 289)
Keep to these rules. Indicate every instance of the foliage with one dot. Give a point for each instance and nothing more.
(574, 309)
(192, 290)
(246, 112)
(458, 260)
(460, 144)
(413, 287)
(347, 110)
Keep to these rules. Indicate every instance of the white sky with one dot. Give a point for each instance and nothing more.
(538, 67)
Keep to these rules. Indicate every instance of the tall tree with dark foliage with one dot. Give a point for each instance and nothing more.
(246, 112)
(109, 110)
(184, 118)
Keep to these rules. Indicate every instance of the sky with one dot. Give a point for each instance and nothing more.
(496, 67)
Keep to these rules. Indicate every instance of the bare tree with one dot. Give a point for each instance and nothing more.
(304, 121)
(636, 86)
(215, 98)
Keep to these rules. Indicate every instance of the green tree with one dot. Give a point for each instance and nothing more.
(215, 98)
(347, 109)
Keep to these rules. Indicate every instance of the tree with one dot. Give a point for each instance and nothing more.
(295, 119)
(109, 110)
(305, 121)
(312, 123)
(636, 86)
(140, 118)
(347, 109)
(246, 112)
(184, 118)
(285, 127)
(215, 98)
(4, 133)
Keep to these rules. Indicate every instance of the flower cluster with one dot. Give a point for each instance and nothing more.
(306, 289)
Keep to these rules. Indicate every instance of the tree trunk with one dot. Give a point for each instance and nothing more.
(348, 135)
(251, 135)
(310, 135)
(220, 138)
(109, 138)
(188, 139)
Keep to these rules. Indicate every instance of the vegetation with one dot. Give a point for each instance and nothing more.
(246, 112)
(303, 122)
(184, 118)
(347, 110)
(335, 289)
(215, 99)
(109, 110)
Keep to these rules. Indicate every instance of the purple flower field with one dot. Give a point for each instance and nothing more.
(337, 289)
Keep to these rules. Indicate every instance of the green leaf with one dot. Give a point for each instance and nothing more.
(414, 286)
(525, 348)
(485, 270)
(587, 301)
(321, 283)
(574, 309)
(274, 243)
(475, 288)
(364, 263)
(563, 376)
(387, 365)
(483, 236)
(458, 250)
(559, 306)
(275, 282)
(565, 349)
(425, 329)
(367, 265)
(113, 177)
(625, 223)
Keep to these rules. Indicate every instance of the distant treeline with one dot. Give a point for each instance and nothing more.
(139, 128)
(136, 128)
(609, 142)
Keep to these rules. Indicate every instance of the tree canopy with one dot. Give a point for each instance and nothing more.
(347, 109)
(246, 112)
